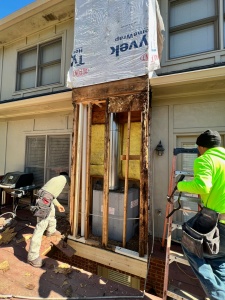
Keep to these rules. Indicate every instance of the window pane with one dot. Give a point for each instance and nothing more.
(224, 34)
(27, 80)
(197, 40)
(35, 158)
(51, 52)
(188, 159)
(58, 152)
(27, 59)
(224, 24)
(182, 12)
(50, 74)
(49, 65)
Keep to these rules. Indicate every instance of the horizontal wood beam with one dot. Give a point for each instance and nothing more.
(111, 259)
(131, 157)
(114, 88)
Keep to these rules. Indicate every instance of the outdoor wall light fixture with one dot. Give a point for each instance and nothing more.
(159, 149)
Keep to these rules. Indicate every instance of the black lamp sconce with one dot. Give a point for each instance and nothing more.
(160, 149)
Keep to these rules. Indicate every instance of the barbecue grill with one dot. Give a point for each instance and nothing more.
(13, 180)
(17, 184)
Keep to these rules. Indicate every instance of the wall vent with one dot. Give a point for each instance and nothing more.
(50, 17)
(119, 277)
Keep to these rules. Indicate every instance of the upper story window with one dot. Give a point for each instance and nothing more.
(39, 65)
(194, 26)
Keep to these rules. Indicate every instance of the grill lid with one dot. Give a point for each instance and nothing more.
(16, 179)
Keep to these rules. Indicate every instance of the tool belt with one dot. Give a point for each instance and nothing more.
(200, 234)
(42, 207)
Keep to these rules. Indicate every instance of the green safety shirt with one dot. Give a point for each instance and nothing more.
(209, 179)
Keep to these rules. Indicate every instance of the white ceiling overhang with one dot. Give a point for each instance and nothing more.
(35, 17)
(200, 82)
(60, 103)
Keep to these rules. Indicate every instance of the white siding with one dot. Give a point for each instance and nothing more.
(9, 57)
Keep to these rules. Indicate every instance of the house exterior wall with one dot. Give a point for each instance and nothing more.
(173, 119)
(8, 57)
(13, 136)
(39, 115)
(187, 98)
(3, 137)
(179, 110)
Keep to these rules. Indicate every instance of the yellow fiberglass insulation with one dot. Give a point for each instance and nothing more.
(97, 150)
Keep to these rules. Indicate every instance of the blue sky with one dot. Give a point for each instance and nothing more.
(7, 7)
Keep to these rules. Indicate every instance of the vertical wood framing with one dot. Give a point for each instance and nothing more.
(73, 165)
(143, 222)
(135, 98)
(78, 170)
(126, 181)
(105, 218)
(88, 198)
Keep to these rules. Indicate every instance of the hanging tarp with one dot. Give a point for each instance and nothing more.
(113, 40)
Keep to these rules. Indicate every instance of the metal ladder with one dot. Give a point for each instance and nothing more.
(176, 201)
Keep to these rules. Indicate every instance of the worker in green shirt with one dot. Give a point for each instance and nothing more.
(47, 195)
(209, 183)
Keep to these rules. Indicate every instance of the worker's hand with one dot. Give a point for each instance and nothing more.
(60, 208)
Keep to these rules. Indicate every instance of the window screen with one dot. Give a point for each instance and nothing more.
(46, 157)
(58, 151)
(35, 158)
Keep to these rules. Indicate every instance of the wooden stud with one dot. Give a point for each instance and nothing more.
(88, 191)
(105, 218)
(73, 166)
(78, 172)
(131, 157)
(126, 181)
(143, 221)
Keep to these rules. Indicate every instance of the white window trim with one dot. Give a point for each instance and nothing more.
(214, 55)
(50, 87)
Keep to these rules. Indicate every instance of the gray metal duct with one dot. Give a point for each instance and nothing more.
(114, 153)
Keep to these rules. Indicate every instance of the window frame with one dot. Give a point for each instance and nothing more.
(195, 24)
(38, 65)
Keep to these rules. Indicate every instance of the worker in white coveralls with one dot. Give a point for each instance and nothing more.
(44, 210)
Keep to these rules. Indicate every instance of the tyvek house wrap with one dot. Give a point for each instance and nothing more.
(113, 40)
